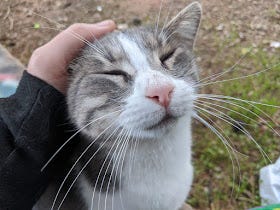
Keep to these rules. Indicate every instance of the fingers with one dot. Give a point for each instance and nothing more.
(70, 41)
(92, 31)
(49, 62)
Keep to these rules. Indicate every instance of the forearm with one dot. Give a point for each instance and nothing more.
(34, 121)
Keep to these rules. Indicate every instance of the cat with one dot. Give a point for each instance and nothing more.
(131, 95)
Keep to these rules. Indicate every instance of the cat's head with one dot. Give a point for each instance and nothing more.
(141, 79)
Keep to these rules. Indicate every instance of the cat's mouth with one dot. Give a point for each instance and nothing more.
(165, 122)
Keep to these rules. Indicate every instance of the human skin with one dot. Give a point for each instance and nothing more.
(49, 62)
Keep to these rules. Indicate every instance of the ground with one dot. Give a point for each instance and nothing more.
(229, 31)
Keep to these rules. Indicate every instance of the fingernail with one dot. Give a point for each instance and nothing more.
(105, 23)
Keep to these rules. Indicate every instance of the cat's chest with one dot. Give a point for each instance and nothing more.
(158, 178)
(151, 164)
(155, 175)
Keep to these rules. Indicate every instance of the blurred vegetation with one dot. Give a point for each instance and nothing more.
(222, 183)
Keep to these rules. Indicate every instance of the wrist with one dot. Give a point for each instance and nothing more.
(43, 68)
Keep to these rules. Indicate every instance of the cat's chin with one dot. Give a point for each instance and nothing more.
(156, 131)
(164, 124)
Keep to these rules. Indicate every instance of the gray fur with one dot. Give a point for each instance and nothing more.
(90, 82)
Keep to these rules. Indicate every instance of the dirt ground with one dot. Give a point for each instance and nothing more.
(28, 24)
(256, 22)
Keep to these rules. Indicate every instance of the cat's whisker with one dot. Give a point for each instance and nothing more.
(76, 162)
(237, 78)
(170, 35)
(118, 141)
(226, 138)
(89, 160)
(237, 124)
(137, 145)
(244, 108)
(122, 141)
(77, 36)
(99, 45)
(125, 150)
(63, 26)
(76, 133)
(238, 105)
(116, 173)
(221, 137)
(232, 68)
(133, 151)
(117, 163)
(60, 25)
(238, 99)
(90, 44)
(158, 17)
(231, 110)
(111, 175)
(118, 158)
(85, 165)
(167, 17)
(243, 130)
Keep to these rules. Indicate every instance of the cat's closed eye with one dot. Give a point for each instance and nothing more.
(165, 57)
(117, 72)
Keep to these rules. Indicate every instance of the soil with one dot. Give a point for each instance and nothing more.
(28, 24)
(256, 22)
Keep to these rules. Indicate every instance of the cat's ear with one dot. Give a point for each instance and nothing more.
(185, 25)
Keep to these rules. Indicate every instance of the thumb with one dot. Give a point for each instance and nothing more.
(71, 40)
(99, 29)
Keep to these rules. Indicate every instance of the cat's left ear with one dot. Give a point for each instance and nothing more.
(185, 25)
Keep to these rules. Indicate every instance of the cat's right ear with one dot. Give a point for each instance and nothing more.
(185, 25)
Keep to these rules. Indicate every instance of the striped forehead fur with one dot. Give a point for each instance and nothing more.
(135, 54)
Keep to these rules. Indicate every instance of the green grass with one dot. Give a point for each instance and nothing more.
(263, 87)
(216, 186)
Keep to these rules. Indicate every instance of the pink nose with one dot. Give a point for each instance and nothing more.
(160, 93)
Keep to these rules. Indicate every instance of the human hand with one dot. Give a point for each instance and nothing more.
(49, 62)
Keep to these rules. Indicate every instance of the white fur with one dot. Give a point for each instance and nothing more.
(136, 56)
(141, 112)
(160, 178)
(162, 173)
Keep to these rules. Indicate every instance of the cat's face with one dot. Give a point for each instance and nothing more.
(140, 79)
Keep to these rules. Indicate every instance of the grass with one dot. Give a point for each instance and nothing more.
(216, 185)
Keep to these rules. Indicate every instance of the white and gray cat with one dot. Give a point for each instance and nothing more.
(131, 95)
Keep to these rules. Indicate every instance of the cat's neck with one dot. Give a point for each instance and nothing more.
(152, 167)
(176, 141)
(158, 165)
